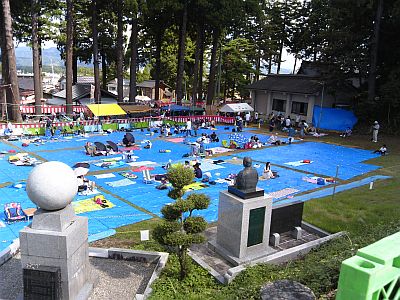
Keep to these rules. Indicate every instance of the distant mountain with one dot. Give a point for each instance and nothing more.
(50, 56)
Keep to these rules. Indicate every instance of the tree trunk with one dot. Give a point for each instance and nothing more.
(6, 92)
(37, 76)
(181, 56)
(104, 70)
(95, 53)
(258, 67)
(278, 69)
(183, 262)
(201, 67)
(295, 63)
(69, 58)
(133, 66)
(120, 53)
(158, 65)
(12, 67)
(270, 64)
(74, 66)
(213, 67)
(199, 41)
(374, 52)
(40, 66)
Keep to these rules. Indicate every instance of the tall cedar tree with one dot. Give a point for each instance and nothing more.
(14, 111)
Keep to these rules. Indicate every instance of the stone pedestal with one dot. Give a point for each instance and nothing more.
(243, 228)
(59, 239)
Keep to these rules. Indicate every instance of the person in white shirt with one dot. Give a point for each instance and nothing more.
(167, 131)
(188, 127)
(256, 116)
(274, 140)
(247, 119)
(288, 122)
(382, 150)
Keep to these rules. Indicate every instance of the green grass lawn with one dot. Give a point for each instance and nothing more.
(367, 215)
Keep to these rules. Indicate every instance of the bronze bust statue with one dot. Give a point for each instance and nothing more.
(246, 182)
(247, 178)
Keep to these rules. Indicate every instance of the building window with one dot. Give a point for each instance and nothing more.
(278, 105)
(299, 108)
(112, 88)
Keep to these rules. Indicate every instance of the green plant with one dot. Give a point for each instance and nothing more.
(179, 229)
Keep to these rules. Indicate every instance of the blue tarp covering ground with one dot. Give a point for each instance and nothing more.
(104, 222)
(333, 118)
(325, 158)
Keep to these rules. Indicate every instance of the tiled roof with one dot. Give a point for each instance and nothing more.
(288, 83)
(78, 91)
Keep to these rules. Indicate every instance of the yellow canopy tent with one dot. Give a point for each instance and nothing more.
(101, 110)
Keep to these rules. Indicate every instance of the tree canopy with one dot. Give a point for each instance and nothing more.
(212, 49)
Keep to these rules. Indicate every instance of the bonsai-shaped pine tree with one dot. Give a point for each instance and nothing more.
(179, 229)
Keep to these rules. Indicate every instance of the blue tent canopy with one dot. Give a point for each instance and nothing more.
(176, 107)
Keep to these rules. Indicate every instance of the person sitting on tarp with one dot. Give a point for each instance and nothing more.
(311, 130)
(274, 140)
(382, 150)
(347, 132)
(214, 137)
(198, 173)
(91, 149)
(176, 129)
(267, 173)
(128, 140)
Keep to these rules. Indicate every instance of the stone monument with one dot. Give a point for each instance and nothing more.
(244, 216)
(57, 239)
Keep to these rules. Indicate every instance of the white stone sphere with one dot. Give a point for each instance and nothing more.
(52, 185)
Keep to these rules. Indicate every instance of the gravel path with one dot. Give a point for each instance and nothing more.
(117, 279)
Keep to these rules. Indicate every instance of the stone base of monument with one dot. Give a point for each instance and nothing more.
(243, 228)
(59, 239)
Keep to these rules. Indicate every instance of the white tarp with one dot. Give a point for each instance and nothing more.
(236, 107)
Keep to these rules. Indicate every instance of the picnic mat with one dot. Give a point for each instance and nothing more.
(108, 164)
(141, 163)
(130, 148)
(208, 165)
(176, 140)
(89, 192)
(129, 175)
(282, 193)
(218, 150)
(195, 186)
(107, 175)
(297, 163)
(89, 205)
(120, 183)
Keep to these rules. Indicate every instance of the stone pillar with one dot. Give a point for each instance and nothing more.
(269, 103)
(243, 228)
(253, 99)
(288, 109)
(57, 237)
(310, 108)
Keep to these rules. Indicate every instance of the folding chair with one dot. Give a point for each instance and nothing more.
(14, 212)
(147, 177)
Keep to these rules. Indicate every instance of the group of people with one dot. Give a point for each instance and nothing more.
(254, 142)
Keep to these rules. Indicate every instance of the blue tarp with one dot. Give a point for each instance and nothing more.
(333, 118)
